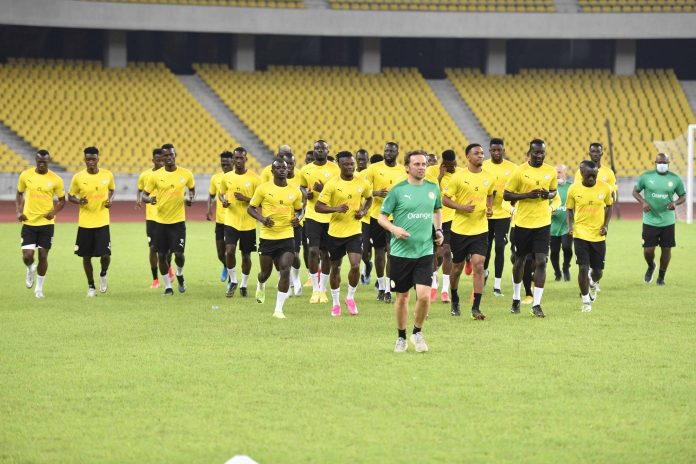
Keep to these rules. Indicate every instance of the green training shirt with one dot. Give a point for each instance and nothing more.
(658, 191)
(559, 225)
(412, 207)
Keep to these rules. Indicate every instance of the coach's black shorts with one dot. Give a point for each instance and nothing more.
(170, 237)
(317, 233)
(246, 239)
(405, 273)
(339, 246)
(591, 253)
(378, 236)
(276, 248)
(219, 232)
(526, 241)
(658, 236)
(299, 238)
(37, 236)
(464, 245)
(151, 232)
(93, 242)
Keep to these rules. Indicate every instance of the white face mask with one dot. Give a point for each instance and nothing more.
(662, 167)
(561, 181)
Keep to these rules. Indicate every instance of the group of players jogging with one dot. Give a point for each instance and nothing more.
(412, 219)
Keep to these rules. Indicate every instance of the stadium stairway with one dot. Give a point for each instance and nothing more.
(459, 111)
(226, 118)
(689, 88)
(20, 146)
(566, 6)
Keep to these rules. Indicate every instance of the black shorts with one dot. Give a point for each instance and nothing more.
(246, 239)
(151, 232)
(93, 242)
(219, 232)
(366, 236)
(463, 245)
(378, 236)
(526, 241)
(37, 236)
(591, 253)
(658, 236)
(299, 238)
(317, 233)
(276, 248)
(170, 237)
(339, 246)
(405, 273)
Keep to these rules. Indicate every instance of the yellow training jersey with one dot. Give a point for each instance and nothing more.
(170, 188)
(150, 210)
(94, 187)
(351, 192)
(431, 174)
(214, 190)
(380, 176)
(502, 173)
(532, 213)
(311, 174)
(266, 174)
(465, 188)
(280, 204)
(236, 215)
(588, 205)
(39, 190)
(604, 174)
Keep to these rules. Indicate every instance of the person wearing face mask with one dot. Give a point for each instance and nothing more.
(559, 228)
(658, 187)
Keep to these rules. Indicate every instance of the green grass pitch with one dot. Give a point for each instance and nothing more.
(133, 377)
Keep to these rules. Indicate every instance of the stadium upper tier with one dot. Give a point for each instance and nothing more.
(243, 3)
(11, 161)
(536, 6)
(349, 110)
(637, 6)
(65, 106)
(568, 109)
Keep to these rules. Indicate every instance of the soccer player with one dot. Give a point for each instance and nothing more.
(266, 174)
(294, 180)
(93, 190)
(589, 211)
(215, 181)
(531, 185)
(383, 176)
(37, 212)
(362, 161)
(415, 205)
(604, 173)
(560, 239)
(659, 186)
(151, 215)
(313, 178)
(470, 194)
(282, 205)
(432, 159)
(342, 198)
(441, 175)
(169, 186)
(236, 190)
(499, 222)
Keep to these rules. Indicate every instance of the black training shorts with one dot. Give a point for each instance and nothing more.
(93, 242)
(465, 245)
(37, 236)
(526, 241)
(654, 236)
(246, 239)
(405, 273)
(276, 248)
(339, 246)
(170, 237)
(592, 253)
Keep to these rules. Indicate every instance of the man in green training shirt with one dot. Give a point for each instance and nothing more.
(415, 204)
(559, 228)
(659, 187)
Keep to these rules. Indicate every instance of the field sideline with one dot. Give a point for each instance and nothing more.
(133, 377)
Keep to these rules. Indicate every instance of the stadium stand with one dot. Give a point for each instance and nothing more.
(568, 109)
(297, 106)
(637, 6)
(535, 6)
(64, 106)
(11, 161)
(243, 3)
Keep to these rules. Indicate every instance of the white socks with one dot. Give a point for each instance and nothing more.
(433, 281)
(245, 279)
(232, 272)
(382, 283)
(351, 292)
(39, 283)
(280, 300)
(516, 288)
(165, 278)
(586, 298)
(323, 281)
(445, 283)
(336, 296)
(179, 271)
(537, 296)
(260, 285)
(497, 282)
(315, 282)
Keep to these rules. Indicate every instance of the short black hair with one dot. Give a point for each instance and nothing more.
(589, 164)
(396, 145)
(362, 151)
(321, 141)
(168, 146)
(91, 151)
(449, 155)
(496, 141)
(241, 150)
(407, 160)
(226, 154)
(156, 152)
(343, 154)
(43, 153)
(535, 142)
(287, 156)
(596, 144)
(470, 147)
(376, 158)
